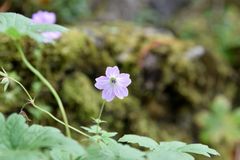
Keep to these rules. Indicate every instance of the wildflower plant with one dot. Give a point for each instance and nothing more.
(45, 17)
(113, 84)
(18, 139)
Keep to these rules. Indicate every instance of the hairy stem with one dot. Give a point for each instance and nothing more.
(45, 111)
(50, 87)
(98, 120)
(100, 113)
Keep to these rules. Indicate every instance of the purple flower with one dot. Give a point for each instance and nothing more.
(113, 84)
(50, 36)
(44, 17)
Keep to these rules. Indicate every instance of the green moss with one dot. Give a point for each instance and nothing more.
(79, 93)
(167, 90)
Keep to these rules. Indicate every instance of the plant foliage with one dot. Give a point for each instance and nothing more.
(16, 26)
(221, 123)
(169, 150)
(105, 147)
(35, 142)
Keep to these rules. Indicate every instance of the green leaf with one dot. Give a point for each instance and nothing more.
(125, 152)
(93, 129)
(140, 140)
(35, 142)
(96, 152)
(22, 155)
(179, 150)
(174, 145)
(221, 123)
(3, 73)
(13, 33)
(108, 134)
(198, 149)
(112, 150)
(16, 26)
(48, 28)
(168, 155)
(6, 87)
(5, 81)
(15, 21)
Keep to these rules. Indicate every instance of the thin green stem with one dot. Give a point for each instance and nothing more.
(43, 110)
(56, 119)
(98, 120)
(101, 110)
(24, 89)
(45, 81)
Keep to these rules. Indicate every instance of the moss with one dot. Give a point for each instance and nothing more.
(79, 93)
(167, 89)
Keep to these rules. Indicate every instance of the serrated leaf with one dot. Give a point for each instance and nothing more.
(140, 140)
(58, 155)
(93, 129)
(125, 152)
(96, 152)
(198, 149)
(16, 26)
(112, 150)
(179, 150)
(22, 155)
(108, 134)
(98, 121)
(168, 155)
(35, 142)
(173, 145)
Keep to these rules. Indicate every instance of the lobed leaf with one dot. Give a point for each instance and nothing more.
(140, 140)
(16, 26)
(168, 155)
(35, 142)
(113, 150)
(199, 149)
(179, 150)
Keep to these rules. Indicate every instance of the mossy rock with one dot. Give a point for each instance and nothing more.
(170, 83)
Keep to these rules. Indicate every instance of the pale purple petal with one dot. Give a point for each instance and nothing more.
(123, 79)
(44, 17)
(112, 71)
(102, 82)
(120, 92)
(50, 36)
(113, 84)
(108, 94)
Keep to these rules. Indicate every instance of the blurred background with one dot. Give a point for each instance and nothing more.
(183, 57)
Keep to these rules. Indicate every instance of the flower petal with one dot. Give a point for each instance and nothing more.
(50, 36)
(124, 79)
(112, 71)
(102, 82)
(120, 91)
(108, 94)
(44, 17)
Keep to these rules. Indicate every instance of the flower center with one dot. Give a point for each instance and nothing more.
(113, 80)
